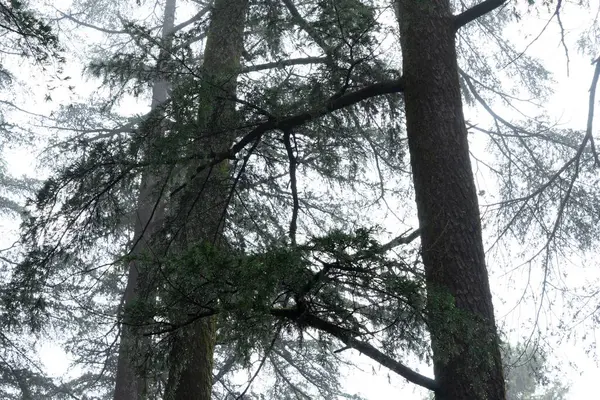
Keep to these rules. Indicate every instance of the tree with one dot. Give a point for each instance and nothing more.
(27, 33)
(27, 40)
(25, 36)
(201, 213)
(466, 359)
(129, 382)
(262, 260)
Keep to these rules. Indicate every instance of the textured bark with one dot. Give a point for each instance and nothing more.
(129, 384)
(465, 347)
(204, 204)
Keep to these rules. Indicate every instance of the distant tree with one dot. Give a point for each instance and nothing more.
(25, 32)
(25, 39)
(25, 35)
(130, 383)
(527, 375)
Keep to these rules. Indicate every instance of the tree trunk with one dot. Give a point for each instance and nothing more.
(465, 346)
(129, 384)
(205, 202)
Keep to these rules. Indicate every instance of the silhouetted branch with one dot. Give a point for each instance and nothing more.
(347, 337)
(284, 63)
(292, 121)
(293, 186)
(401, 240)
(305, 26)
(475, 12)
(589, 134)
(197, 17)
(227, 365)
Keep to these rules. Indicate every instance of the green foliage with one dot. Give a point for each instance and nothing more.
(350, 163)
(25, 31)
(24, 35)
(243, 289)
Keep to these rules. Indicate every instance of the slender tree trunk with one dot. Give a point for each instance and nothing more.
(205, 203)
(466, 352)
(129, 385)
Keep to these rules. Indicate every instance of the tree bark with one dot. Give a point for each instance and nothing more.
(204, 204)
(465, 346)
(129, 384)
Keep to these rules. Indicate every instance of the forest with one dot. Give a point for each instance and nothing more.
(299, 199)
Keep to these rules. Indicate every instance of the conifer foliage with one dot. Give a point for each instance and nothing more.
(227, 243)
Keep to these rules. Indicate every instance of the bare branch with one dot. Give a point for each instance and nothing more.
(475, 12)
(195, 18)
(562, 33)
(401, 240)
(71, 18)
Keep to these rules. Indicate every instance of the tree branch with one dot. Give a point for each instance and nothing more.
(401, 240)
(71, 18)
(367, 349)
(305, 26)
(227, 365)
(195, 18)
(475, 12)
(589, 134)
(293, 185)
(190, 41)
(285, 63)
(333, 104)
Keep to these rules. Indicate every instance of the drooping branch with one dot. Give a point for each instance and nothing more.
(347, 337)
(475, 12)
(261, 364)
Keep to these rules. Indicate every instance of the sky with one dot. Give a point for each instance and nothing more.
(568, 105)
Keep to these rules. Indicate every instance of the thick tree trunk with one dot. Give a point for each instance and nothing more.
(129, 385)
(461, 317)
(205, 202)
